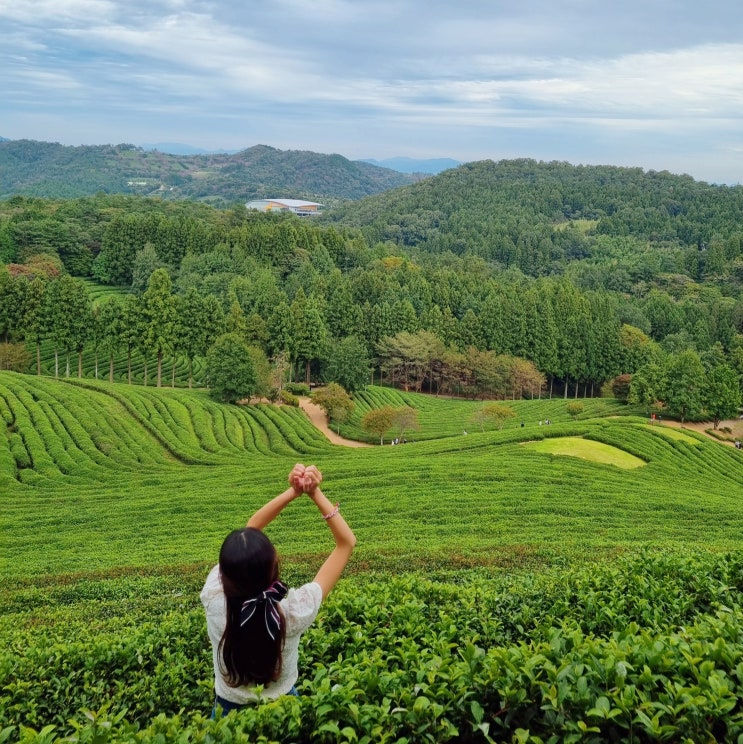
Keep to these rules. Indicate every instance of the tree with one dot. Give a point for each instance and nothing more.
(13, 290)
(378, 421)
(525, 377)
(405, 419)
(494, 412)
(110, 311)
(129, 330)
(620, 387)
(349, 364)
(158, 317)
(573, 328)
(721, 394)
(35, 321)
(646, 386)
(406, 357)
(335, 401)
(263, 373)
(235, 322)
(490, 373)
(68, 317)
(343, 316)
(213, 325)
(574, 409)
(190, 326)
(14, 356)
(684, 384)
(145, 263)
(230, 368)
(636, 348)
(280, 329)
(280, 366)
(310, 332)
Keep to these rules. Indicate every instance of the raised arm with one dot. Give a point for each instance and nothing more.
(345, 540)
(268, 512)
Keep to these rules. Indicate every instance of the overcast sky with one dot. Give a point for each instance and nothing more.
(650, 83)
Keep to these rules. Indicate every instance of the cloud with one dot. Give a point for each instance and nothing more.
(478, 75)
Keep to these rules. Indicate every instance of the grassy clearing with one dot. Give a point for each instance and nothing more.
(587, 450)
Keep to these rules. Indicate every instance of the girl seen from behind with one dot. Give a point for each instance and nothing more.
(254, 621)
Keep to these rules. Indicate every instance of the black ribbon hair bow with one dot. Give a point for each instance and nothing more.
(268, 599)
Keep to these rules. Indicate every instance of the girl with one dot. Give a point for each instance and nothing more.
(254, 621)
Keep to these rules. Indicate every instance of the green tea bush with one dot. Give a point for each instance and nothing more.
(297, 388)
(288, 398)
(646, 649)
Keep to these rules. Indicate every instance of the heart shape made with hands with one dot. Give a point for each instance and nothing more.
(305, 479)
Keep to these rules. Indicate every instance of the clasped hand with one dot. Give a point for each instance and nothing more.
(304, 479)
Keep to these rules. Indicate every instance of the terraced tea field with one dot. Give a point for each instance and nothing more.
(115, 499)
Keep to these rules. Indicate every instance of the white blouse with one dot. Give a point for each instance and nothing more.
(299, 607)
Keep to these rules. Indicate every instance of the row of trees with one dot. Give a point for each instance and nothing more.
(160, 324)
(421, 361)
(548, 330)
(688, 386)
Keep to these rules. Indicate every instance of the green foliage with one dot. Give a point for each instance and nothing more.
(620, 387)
(349, 364)
(56, 171)
(230, 369)
(14, 357)
(378, 421)
(722, 393)
(335, 401)
(644, 648)
(297, 388)
(496, 596)
(496, 413)
(288, 398)
(574, 409)
(535, 215)
(684, 384)
(466, 326)
(405, 419)
(468, 616)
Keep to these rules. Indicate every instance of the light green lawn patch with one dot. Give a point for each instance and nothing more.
(587, 449)
(674, 434)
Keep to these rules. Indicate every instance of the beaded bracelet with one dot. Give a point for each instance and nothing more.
(330, 515)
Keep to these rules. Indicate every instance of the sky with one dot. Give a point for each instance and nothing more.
(655, 84)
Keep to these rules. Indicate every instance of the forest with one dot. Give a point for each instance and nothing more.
(51, 170)
(497, 280)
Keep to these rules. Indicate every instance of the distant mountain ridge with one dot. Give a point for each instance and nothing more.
(48, 169)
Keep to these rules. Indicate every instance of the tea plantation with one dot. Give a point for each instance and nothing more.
(507, 585)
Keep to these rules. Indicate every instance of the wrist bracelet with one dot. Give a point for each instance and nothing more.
(330, 515)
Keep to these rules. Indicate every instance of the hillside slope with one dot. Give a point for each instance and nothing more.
(533, 214)
(52, 170)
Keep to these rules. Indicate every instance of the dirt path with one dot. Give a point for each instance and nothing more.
(734, 424)
(319, 419)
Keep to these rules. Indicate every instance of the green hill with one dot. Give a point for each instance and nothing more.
(538, 216)
(52, 170)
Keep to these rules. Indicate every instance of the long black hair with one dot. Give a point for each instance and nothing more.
(248, 566)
